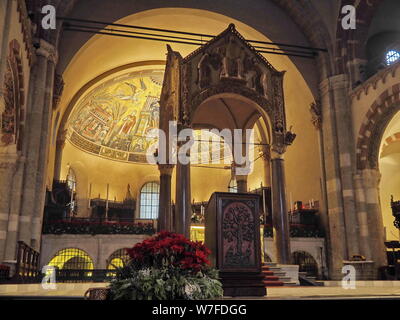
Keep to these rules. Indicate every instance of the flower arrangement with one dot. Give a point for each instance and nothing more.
(165, 267)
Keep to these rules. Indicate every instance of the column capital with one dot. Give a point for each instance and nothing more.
(47, 50)
(339, 81)
(166, 169)
(265, 152)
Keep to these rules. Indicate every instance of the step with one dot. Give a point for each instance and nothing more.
(275, 269)
(268, 273)
(271, 278)
(285, 279)
(270, 264)
(290, 284)
(273, 283)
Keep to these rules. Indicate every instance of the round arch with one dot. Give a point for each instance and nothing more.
(118, 259)
(371, 132)
(72, 258)
(306, 262)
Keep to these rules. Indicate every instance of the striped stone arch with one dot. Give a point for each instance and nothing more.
(371, 132)
(393, 138)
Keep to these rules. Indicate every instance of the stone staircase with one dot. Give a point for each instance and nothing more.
(274, 276)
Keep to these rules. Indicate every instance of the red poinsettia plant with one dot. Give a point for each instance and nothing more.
(170, 249)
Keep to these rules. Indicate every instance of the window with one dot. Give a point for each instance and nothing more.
(392, 56)
(72, 259)
(149, 196)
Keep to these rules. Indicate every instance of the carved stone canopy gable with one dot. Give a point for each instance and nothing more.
(225, 64)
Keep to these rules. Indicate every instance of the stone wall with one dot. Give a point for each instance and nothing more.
(98, 247)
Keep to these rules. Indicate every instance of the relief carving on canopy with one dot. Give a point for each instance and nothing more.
(229, 64)
(12, 118)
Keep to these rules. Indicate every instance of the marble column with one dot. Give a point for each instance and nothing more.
(241, 181)
(164, 208)
(183, 207)
(38, 130)
(279, 210)
(265, 154)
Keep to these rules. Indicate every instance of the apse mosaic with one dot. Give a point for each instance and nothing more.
(113, 120)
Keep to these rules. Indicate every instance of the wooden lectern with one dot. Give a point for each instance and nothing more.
(232, 233)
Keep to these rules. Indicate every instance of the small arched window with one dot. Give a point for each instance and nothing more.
(149, 196)
(392, 56)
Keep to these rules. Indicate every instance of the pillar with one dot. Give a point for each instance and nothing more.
(37, 144)
(316, 120)
(164, 209)
(371, 178)
(265, 154)
(365, 248)
(241, 181)
(338, 155)
(279, 210)
(183, 206)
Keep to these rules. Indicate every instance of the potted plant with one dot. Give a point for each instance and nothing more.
(167, 266)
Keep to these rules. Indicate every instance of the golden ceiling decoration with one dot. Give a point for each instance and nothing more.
(113, 119)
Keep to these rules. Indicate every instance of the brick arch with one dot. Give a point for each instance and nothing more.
(371, 132)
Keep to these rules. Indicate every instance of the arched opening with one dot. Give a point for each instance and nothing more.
(118, 259)
(389, 167)
(72, 259)
(306, 263)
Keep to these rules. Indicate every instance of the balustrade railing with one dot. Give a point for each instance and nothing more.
(27, 267)
(99, 226)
